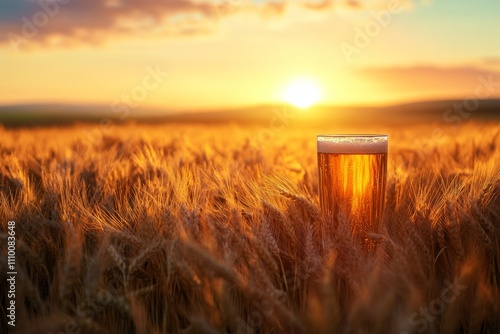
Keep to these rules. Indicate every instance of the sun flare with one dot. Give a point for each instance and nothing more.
(302, 93)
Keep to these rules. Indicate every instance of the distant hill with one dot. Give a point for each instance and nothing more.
(45, 115)
(50, 115)
(420, 111)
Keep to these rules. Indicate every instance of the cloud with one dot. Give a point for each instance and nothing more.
(491, 61)
(25, 23)
(431, 80)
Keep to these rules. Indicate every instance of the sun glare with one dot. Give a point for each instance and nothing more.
(302, 93)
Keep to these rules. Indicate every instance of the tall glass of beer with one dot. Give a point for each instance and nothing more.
(352, 180)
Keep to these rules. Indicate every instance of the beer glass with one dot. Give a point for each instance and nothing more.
(352, 180)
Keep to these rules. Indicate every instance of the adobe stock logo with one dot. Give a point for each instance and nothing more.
(281, 119)
(420, 320)
(372, 29)
(31, 26)
(126, 102)
(463, 110)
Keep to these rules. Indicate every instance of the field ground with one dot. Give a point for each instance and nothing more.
(213, 229)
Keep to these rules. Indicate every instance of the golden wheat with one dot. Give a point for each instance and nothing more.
(191, 229)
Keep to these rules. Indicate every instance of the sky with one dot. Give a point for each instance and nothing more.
(206, 54)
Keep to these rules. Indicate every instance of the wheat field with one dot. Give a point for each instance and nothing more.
(187, 228)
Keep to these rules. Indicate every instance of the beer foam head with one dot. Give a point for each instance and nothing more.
(352, 144)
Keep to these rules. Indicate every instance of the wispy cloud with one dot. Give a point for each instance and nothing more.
(491, 61)
(66, 22)
(429, 79)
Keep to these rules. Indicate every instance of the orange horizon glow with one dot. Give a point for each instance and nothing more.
(247, 59)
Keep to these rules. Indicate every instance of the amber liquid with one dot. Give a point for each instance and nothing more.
(353, 185)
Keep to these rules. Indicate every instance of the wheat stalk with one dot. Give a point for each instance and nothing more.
(152, 190)
(207, 262)
(485, 223)
(267, 236)
(454, 232)
(142, 291)
(264, 255)
(277, 217)
(118, 259)
(145, 254)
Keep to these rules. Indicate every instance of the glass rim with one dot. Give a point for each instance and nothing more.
(353, 144)
(370, 135)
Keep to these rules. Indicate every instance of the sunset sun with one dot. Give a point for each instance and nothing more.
(302, 93)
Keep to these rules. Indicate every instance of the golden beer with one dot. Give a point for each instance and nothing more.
(352, 179)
